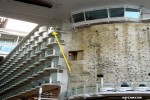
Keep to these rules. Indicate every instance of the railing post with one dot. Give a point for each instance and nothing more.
(40, 93)
(97, 88)
(76, 90)
(84, 89)
(102, 82)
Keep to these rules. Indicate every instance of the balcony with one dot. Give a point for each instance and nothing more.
(51, 53)
(43, 45)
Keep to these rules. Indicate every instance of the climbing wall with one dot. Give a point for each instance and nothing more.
(121, 52)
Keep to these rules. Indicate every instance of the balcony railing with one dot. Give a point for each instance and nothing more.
(143, 87)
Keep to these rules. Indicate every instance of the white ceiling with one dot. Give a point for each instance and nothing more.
(61, 10)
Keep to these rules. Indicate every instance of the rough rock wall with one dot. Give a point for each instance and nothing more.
(121, 52)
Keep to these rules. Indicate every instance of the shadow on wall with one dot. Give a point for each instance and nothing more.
(1, 58)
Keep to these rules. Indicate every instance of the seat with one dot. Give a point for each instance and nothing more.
(124, 84)
(141, 87)
(124, 87)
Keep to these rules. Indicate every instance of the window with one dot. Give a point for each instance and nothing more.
(97, 14)
(116, 12)
(132, 13)
(6, 40)
(75, 55)
(78, 17)
(6, 48)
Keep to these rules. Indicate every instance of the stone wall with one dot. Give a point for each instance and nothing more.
(121, 52)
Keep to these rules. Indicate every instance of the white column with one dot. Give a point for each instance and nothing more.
(97, 88)
(102, 82)
(40, 93)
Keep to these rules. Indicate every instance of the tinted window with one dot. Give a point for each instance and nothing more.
(6, 40)
(6, 49)
(132, 13)
(78, 17)
(97, 14)
(116, 12)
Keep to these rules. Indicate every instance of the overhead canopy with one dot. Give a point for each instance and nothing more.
(60, 9)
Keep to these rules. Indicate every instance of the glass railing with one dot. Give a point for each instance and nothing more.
(48, 64)
(110, 87)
